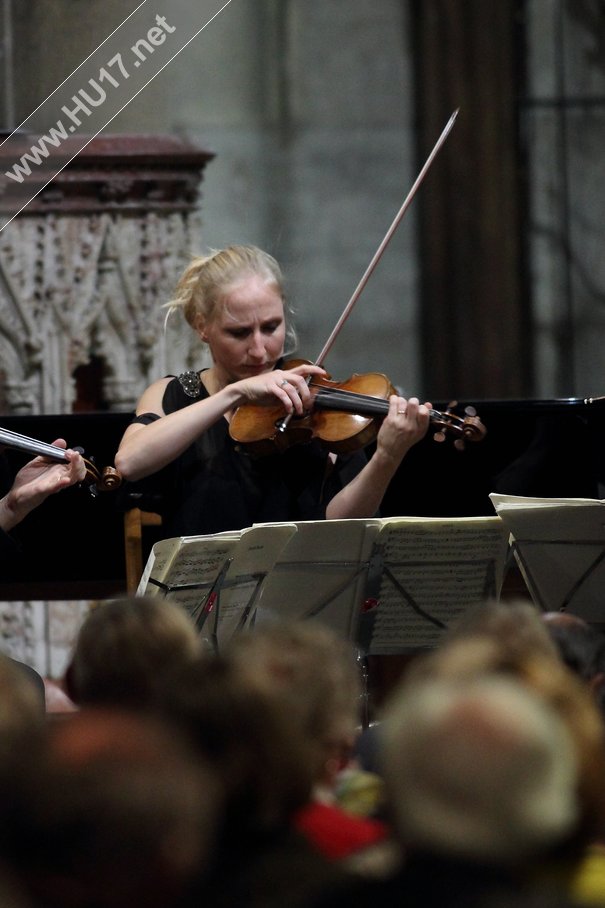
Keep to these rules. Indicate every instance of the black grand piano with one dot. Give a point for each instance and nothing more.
(541, 448)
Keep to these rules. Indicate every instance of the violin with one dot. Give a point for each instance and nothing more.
(105, 480)
(344, 417)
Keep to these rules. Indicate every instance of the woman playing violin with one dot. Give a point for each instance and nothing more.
(234, 300)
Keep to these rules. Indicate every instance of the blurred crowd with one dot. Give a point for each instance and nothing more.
(162, 774)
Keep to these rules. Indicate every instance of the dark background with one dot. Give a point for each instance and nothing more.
(75, 541)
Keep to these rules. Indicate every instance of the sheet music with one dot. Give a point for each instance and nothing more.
(321, 573)
(424, 573)
(215, 578)
(184, 568)
(559, 544)
(432, 571)
(157, 562)
(252, 559)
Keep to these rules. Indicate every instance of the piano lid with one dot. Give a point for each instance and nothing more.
(74, 545)
(557, 405)
(551, 448)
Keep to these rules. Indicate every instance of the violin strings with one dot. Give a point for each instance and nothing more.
(366, 404)
(350, 401)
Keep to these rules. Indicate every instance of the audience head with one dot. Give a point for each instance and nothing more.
(476, 656)
(480, 769)
(36, 682)
(21, 701)
(22, 726)
(249, 740)
(515, 623)
(126, 649)
(111, 810)
(580, 646)
(314, 673)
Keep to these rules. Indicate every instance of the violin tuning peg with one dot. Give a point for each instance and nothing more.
(439, 436)
(452, 405)
(470, 411)
(459, 444)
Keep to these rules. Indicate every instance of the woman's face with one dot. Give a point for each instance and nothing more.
(247, 331)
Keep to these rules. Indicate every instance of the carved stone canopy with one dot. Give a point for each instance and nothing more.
(115, 173)
(86, 267)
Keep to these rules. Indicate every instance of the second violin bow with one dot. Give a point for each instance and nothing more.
(283, 423)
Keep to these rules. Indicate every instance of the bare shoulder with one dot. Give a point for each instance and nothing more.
(151, 399)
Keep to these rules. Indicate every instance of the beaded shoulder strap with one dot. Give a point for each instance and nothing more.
(190, 383)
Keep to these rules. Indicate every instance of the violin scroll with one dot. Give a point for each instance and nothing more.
(467, 428)
(106, 480)
(110, 479)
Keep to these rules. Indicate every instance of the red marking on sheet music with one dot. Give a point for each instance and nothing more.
(369, 604)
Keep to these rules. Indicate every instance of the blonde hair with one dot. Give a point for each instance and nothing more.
(206, 280)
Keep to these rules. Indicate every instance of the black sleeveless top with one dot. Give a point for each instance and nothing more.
(214, 486)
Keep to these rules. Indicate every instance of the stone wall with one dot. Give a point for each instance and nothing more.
(564, 127)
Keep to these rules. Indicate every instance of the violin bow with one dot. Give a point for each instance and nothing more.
(283, 423)
(32, 445)
(105, 480)
(378, 254)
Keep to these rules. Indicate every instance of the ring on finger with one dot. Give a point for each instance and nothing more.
(402, 412)
(284, 383)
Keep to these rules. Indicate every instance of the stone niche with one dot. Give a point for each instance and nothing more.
(85, 268)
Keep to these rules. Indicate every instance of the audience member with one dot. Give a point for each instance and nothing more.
(486, 650)
(581, 647)
(107, 810)
(480, 656)
(264, 764)
(21, 706)
(515, 623)
(125, 650)
(22, 718)
(314, 672)
(479, 769)
(34, 680)
(480, 777)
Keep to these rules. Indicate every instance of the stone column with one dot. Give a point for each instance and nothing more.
(475, 313)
